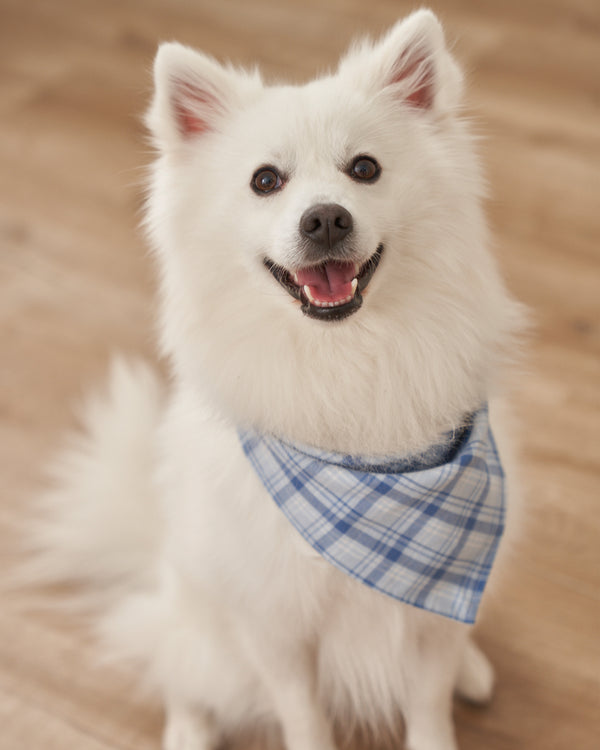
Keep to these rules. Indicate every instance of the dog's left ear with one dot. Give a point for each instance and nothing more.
(411, 63)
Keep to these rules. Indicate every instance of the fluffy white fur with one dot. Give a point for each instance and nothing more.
(195, 573)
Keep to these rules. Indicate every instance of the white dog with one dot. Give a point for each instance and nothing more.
(301, 526)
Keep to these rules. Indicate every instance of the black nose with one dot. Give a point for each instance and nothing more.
(326, 224)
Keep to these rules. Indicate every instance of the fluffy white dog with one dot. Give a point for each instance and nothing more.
(332, 316)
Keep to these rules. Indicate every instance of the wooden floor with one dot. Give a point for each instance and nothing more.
(75, 285)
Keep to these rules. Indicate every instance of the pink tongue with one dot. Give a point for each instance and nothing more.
(331, 282)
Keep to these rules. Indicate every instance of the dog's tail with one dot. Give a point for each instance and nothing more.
(100, 521)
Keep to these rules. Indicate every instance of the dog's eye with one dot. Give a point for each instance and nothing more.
(364, 169)
(266, 180)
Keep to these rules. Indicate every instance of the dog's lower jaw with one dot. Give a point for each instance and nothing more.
(333, 313)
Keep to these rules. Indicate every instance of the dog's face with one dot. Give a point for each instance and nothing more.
(318, 179)
(314, 192)
(308, 233)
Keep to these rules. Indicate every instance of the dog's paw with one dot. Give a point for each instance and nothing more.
(189, 731)
(475, 681)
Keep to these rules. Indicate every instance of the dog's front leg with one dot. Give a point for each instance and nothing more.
(430, 668)
(289, 674)
(188, 728)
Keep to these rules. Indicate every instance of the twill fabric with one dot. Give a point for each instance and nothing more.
(423, 529)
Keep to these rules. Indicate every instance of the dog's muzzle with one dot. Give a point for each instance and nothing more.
(330, 285)
(330, 291)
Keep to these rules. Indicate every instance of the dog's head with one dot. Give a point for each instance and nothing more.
(334, 218)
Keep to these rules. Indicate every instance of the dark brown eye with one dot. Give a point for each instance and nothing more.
(365, 169)
(266, 180)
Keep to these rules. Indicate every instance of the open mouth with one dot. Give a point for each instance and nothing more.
(331, 290)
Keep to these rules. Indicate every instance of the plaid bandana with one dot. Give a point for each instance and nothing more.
(423, 530)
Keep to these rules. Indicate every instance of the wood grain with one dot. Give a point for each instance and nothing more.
(75, 285)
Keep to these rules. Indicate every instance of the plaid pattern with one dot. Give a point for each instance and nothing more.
(425, 532)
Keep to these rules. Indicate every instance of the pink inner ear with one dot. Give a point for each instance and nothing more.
(417, 70)
(194, 108)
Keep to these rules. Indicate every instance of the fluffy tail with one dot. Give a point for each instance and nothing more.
(99, 524)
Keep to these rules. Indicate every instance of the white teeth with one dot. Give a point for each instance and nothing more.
(323, 303)
(295, 279)
(356, 269)
(309, 295)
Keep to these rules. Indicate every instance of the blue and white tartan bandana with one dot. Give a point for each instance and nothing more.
(424, 530)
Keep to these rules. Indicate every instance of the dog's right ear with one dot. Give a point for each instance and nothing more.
(193, 94)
